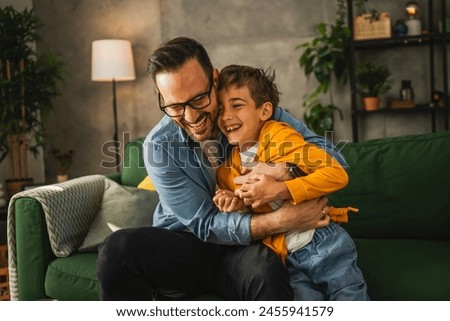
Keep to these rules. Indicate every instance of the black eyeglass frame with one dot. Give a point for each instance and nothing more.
(189, 102)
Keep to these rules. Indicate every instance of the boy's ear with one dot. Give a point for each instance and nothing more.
(266, 111)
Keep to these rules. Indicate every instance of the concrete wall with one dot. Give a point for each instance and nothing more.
(256, 32)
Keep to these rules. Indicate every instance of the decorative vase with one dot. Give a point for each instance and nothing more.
(371, 103)
(62, 178)
(400, 29)
(414, 27)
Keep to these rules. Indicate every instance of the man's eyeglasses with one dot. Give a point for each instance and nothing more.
(198, 103)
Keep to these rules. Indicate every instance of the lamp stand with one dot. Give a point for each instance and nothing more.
(115, 137)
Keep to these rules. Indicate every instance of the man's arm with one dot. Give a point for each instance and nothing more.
(302, 217)
(186, 202)
(185, 193)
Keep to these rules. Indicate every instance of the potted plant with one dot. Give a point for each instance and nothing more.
(372, 81)
(325, 57)
(28, 82)
(64, 161)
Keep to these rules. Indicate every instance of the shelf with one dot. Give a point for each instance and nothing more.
(400, 41)
(392, 42)
(438, 66)
(418, 110)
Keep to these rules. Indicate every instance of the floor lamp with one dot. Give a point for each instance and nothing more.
(112, 61)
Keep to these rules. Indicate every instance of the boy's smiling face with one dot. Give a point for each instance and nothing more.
(240, 119)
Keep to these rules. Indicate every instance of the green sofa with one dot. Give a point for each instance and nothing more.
(402, 232)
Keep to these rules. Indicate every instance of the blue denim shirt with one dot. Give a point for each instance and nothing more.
(186, 184)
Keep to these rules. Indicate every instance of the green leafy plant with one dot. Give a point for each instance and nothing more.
(372, 79)
(320, 117)
(326, 58)
(360, 6)
(28, 83)
(361, 9)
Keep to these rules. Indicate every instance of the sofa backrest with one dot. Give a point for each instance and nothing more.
(401, 186)
(133, 168)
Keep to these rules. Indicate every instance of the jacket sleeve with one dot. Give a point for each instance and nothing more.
(324, 174)
(320, 141)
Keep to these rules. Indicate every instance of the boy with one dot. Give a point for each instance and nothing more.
(321, 263)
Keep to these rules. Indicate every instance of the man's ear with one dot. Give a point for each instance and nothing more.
(266, 111)
(216, 73)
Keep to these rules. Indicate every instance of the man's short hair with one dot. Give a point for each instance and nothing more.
(260, 83)
(173, 54)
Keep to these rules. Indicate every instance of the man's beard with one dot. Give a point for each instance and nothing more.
(214, 131)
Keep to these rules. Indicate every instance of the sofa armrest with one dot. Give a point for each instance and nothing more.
(116, 177)
(46, 222)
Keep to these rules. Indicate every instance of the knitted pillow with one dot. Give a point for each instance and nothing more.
(121, 207)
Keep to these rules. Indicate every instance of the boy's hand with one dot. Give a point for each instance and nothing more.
(260, 189)
(226, 201)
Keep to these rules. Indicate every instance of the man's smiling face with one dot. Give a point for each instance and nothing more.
(186, 84)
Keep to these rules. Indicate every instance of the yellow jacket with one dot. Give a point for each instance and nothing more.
(278, 142)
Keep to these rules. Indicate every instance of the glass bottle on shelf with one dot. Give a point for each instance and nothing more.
(406, 91)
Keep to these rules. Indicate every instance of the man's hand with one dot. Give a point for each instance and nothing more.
(260, 189)
(305, 216)
(226, 201)
(279, 171)
(263, 183)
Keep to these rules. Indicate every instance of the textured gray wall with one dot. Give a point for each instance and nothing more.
(256, 32)
(83, 117)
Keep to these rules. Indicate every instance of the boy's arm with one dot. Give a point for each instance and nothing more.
(305, 216)
(283, 116)
(323, 174)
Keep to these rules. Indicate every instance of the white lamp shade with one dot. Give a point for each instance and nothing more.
(112, 59)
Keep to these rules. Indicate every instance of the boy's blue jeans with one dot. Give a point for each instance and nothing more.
(325, 269)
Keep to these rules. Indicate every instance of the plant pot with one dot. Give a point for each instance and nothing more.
(62, 178)
(371, 103)
(14, 186)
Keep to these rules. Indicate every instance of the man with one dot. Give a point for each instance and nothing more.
(192, 247)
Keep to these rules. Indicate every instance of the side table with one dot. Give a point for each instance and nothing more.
(4, 274)
(3, 212)
(3, 218)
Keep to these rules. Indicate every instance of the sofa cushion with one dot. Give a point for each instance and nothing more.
(399, 269)
(147, 184)
(401, 186)
(122, 206)
(73, 278)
